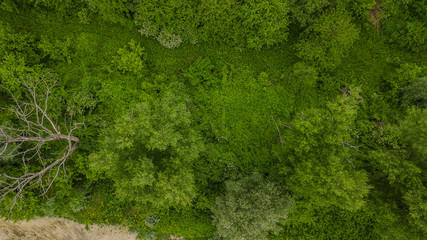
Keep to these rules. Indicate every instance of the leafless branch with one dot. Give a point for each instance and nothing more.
(348, 145)
(288, 126)
(27, 142)
(280, 136)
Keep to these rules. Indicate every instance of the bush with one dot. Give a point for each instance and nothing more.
(250, 209)
(168, 39)
(130, 59)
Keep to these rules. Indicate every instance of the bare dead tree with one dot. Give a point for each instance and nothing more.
(27, 142)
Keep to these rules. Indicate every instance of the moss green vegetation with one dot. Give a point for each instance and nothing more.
(205, 119)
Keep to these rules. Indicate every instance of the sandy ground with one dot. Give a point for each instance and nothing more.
(59, 229)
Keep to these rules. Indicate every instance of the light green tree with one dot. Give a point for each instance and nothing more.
(130, 59)
(148, 153)
(264, 22)
(250, 209)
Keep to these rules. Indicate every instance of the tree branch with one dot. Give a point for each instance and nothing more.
(39, 129)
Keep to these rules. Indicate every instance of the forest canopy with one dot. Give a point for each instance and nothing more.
(205, 119)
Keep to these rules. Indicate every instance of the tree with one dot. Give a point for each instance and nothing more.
(264, 23)
(148, 153)
(402, 82)
(404, 23)
(169, 21)
(30, 138)
(250, 209)
(59, 6)
(305, 12)
(415, 93)
(396, 157)
(316, 155)
(249, 23)
(328, 39)
(114, 11)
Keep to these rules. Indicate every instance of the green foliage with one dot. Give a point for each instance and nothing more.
(328, 39)
(8, 5)
(18, 53)
(266, 22)
(250, 209)
(415, 93)
(12, 66)
(312, 222)
(21, 45)
(305, 12)
(189, 223)
(56, 50)
(305, 75)
(111, 10)
(199, 74)
(236, 108)
(414, 136)
(170, 24)
(217, 19)
(28, 209)
(60, 6)
(180, 98)
(316, 155)
(251, 23)
(405, 23)
(130, 60)
(104, 208)
(406, 74)
(65, 201)
(147, 152)
(396, 160)
(168, 14)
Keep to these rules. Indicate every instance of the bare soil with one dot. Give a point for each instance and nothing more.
(59, 229)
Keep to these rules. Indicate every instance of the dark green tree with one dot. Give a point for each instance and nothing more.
(327, 40)
(403, 81)
(114, 11)
(305, 12)
(397, 162)
(316, 155)
(415, 93)
(404, 23)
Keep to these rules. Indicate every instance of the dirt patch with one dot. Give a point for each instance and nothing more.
(60, 229)
(375, 16)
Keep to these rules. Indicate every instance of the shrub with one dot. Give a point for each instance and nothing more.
(168, 39)
(250, 209)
